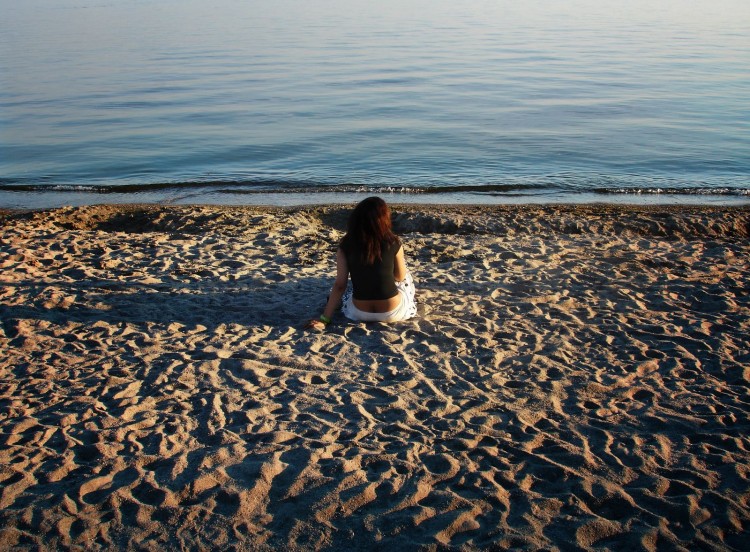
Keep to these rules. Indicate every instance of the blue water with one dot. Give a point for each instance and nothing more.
(317, 101)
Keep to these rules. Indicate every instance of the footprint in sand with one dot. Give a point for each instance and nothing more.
(313, 379)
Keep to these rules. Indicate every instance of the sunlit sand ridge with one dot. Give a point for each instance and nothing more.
(578, 376)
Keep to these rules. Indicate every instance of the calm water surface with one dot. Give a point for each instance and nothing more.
(316, 101)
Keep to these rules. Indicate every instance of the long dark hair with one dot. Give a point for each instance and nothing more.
(369, 230)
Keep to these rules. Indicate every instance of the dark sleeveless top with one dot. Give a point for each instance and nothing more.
(376, 281)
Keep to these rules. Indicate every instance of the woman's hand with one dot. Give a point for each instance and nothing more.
(315, 324)
(334, 298)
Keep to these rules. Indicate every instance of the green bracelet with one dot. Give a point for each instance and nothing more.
(325, 319)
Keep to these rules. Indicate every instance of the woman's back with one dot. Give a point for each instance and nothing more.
(373, 281)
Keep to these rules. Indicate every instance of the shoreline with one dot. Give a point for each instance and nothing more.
(673, 221)
(203, 194)
(577, 376)
(464, 208)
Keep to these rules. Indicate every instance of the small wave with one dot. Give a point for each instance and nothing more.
(390, 189)
(707, 191)
(268, 186)
(538, 187)
(129, 188)
(106, 188)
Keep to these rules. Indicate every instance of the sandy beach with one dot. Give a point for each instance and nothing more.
(578, 378)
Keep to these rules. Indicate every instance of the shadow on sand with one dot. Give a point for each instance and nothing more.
(211, 303)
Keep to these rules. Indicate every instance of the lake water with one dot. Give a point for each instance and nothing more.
(319, 101)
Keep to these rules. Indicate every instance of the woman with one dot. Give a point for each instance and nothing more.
(382, 289)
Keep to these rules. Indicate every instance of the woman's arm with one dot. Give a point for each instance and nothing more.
(399, 266)
(337, 291)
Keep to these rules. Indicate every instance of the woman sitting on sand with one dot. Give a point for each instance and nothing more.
(382, 289)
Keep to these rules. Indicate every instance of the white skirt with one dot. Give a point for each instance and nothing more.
(407, 309)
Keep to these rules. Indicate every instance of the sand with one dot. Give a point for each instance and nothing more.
(577, 379)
